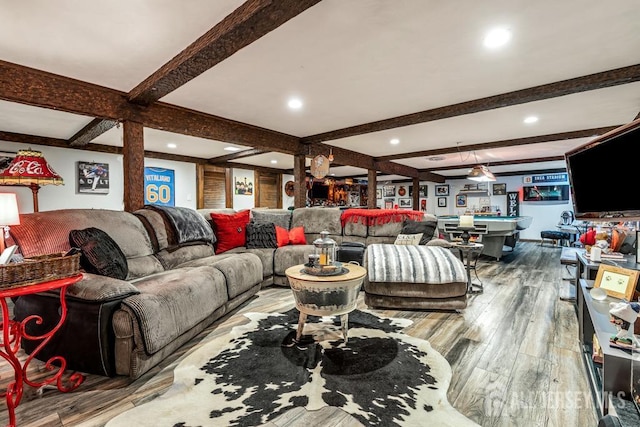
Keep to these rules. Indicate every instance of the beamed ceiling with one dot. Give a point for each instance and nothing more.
(209, 75)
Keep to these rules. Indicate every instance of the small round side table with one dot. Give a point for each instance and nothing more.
(471, 252)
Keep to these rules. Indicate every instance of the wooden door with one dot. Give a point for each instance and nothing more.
(269, 190)
(213, 188)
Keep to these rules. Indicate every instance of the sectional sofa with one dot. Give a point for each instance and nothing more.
(174, 284)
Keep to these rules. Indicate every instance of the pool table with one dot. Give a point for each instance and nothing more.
(495, 232)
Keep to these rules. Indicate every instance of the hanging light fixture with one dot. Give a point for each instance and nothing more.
(30, 168)
(480, 172)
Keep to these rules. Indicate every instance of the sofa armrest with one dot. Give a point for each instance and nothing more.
(439, 242)
(96, 288)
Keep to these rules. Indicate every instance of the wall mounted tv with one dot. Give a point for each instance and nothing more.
(545, 193)
(603, 175)
(319, 191)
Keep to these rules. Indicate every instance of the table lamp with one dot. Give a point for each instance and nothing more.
(30, 168)
(465, 224)
(9, 215)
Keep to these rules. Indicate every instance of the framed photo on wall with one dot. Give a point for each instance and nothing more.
(388, 204)
(442, 190)
(93, 178)
(243, 187)
(389, 191)
(442, 202)
(461, 201)
(405, 203)
(499, 189)
(423, 190)
(379, 193)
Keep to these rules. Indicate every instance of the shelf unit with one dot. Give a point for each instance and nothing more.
(612, 377)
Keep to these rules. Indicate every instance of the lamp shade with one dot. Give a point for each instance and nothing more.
(9, 214)
(29, 167)
(481, 173)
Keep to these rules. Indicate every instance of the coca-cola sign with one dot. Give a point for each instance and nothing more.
(26, 168)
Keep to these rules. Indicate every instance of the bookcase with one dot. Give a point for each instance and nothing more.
(609, 379)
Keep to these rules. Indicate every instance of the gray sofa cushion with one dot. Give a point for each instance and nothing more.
(314, 220)
(288, 256)
(279, 217)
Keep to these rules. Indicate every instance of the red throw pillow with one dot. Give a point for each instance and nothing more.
(230, 230)
(282, 236)
(297, 237)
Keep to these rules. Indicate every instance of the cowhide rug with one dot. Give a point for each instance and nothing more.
(256, 373)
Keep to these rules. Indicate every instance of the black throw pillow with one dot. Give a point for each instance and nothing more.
(427, 228)
(261, 235)
(100, 253)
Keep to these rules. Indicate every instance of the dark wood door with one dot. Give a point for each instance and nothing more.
(269, 193)
(214, 189)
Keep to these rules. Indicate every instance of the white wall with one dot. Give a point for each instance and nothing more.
(546, 215)
(64, 162)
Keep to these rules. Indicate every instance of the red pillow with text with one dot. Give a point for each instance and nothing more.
(297, 237)
(230, 230)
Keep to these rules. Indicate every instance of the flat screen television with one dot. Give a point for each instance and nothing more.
(319, 191)
(604, 174)
(545, 193)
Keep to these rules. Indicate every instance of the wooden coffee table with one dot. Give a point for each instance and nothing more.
(325, 295)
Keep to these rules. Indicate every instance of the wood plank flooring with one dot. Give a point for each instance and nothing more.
(513, 353)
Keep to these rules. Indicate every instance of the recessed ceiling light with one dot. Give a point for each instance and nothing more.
(231, 148)
(530, 119)
(295, 104)
(171, 145)
(497, 37)
(435, 158)
(395, 141)
(273, 162)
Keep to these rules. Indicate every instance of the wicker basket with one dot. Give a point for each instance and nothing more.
(39, 269)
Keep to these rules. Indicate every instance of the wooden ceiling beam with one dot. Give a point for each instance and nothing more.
(589, 82)
(237, 155)
(491, 164)
(91, 131)
(29, 86)
(249, 22)
(585, 133)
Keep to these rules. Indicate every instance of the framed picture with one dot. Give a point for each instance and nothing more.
(243, 186)
(388, 204)
(499, 189)
(389, 191)
(618, 282)
(442, 190)
(442, 202)
(379, 193)
(5, 159)
(423, 205)
(93, 178)
(423, 190)
(461, 201)
(405, 203)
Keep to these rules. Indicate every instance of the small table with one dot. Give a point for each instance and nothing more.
(12, 334)
(325, 295)
(471, 251)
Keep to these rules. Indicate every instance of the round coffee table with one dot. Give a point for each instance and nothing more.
(325, 295)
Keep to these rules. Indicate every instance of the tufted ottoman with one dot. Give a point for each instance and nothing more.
(414, 277)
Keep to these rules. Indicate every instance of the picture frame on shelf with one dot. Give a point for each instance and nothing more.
(442, 202)
(500, 189)
(379, 193)
(405, 203)
(461, 201)
(442, 190)
(617, 282)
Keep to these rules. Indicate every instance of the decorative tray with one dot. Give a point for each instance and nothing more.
(336, 269)
(39, 269)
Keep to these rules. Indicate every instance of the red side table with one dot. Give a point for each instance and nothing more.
(12, 334)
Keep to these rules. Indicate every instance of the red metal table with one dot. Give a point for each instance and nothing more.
(12, 334)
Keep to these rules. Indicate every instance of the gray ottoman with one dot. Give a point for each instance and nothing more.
(414, 277)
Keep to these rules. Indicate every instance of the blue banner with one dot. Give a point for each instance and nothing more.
(159, 186)
(550, 177)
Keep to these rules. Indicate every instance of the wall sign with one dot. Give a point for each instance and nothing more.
(550, 177)
(513, 203)
(159, 186)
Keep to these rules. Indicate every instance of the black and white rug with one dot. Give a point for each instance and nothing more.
(256, 373)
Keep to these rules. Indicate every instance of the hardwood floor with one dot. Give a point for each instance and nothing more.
(513, 352)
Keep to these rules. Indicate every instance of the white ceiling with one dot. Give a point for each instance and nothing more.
(351, 62)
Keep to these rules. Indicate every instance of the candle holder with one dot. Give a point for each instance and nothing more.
(465, 236)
